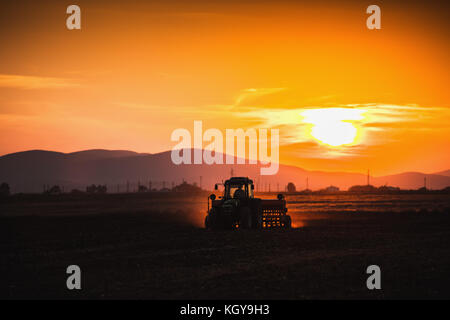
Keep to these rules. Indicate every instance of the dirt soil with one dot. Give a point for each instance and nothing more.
(133, 246)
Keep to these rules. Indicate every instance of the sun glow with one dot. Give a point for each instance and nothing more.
(333, 126)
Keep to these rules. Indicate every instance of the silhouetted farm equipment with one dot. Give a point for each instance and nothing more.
(238, 208)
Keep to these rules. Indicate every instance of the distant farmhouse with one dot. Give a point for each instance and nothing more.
(363, 189)
(186, 187)
(331, 189)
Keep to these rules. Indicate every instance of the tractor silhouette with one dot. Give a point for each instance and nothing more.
(238, 208)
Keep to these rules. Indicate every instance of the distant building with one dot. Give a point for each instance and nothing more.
(388, 189)
(363, 189)
(331, 189)
(96, 189)
(186, 187)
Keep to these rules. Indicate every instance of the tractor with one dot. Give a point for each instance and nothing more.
(239, 209)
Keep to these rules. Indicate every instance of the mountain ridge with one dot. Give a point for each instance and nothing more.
(29, 171)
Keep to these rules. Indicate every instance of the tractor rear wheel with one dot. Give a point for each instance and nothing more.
(246, 218)
(207, 222)
(212, 220)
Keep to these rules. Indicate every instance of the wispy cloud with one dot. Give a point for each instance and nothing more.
(253, 93)
(34, 82)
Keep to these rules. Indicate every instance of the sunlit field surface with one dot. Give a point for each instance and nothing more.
(154, 246)
(369, 203)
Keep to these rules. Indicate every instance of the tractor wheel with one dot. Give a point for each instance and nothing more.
(287, 222)
(246, 218)
(207, 223)
(212, 220)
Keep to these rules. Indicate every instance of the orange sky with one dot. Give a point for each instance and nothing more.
(138, 71)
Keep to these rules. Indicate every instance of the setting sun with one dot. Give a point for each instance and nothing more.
(334, 134)
(333, 126)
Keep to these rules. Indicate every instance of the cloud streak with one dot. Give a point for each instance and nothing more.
(34, 82)
(253, 93)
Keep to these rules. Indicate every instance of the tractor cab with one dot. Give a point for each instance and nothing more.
(238, 188)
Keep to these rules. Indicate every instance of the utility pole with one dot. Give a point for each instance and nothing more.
(368, 177)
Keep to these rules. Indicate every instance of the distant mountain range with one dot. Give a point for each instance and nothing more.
(444, 173)
(120, 170)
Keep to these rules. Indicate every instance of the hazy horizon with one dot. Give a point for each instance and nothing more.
(224, 154)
